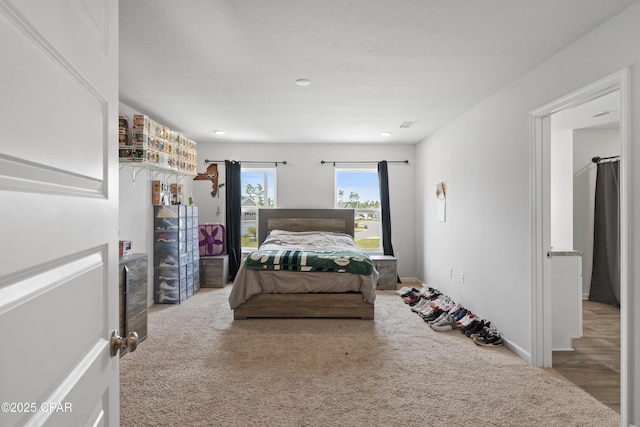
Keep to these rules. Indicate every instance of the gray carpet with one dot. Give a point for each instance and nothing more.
(198, 367)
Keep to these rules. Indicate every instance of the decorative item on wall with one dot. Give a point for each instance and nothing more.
(441, 192)
(210, 174)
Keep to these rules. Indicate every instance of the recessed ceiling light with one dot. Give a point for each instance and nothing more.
(303, 82)
(385, 133)
(219, 132)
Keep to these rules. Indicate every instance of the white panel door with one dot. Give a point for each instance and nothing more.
(59, 212)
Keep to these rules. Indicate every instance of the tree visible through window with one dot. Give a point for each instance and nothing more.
(259, 191)
(359, 189)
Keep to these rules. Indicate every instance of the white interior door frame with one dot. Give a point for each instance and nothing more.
(540, 140)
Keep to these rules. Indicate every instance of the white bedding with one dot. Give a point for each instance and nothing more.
(251, 282)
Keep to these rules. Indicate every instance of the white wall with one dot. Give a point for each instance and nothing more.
(561, 189)
(588, 143)
(484, 156)
(302, 183)
(305, 183)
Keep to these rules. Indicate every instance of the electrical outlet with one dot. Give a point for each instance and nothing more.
(450, 271)
(461, 277)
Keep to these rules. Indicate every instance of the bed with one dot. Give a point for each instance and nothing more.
(277, 292)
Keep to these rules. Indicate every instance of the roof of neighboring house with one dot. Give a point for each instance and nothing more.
(248, 201)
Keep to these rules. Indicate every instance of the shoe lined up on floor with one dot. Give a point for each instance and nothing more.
(466, 320)
(487, 336)
(404, 290)
(444, 314)
(443, 323)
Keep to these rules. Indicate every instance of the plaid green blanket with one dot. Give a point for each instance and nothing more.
(320, 261)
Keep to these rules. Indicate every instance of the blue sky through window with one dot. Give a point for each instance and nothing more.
(255, 177)
(365, 183)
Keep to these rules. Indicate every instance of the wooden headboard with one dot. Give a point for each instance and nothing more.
(334, 220)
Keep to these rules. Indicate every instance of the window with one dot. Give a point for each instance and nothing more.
(259, 191)
(359, 189)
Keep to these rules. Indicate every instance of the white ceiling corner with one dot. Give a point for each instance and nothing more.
(202, 65)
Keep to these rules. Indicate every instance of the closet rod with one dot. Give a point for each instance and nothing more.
(284, 162)
(597, 159)
(406, 162)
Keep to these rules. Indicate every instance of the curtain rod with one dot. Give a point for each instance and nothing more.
(597, 159)
(284, 162)
(406, 162)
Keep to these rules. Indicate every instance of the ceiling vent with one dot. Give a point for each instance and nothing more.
(601, 113)
(407, 124)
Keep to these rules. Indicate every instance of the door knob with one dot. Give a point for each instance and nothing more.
(117, 343)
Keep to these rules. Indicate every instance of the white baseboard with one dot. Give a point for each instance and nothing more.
(519, 351)
(516, 349)
(411, 281)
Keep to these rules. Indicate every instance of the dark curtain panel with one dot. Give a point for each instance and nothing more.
(383, 179)
(233, 195)
(605, 277)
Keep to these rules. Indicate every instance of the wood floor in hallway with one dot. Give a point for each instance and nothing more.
(594, 365)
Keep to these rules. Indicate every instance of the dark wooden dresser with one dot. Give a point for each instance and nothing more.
(133, 296)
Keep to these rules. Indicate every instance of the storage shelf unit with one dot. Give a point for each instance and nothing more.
(150, 145)
(176, 254)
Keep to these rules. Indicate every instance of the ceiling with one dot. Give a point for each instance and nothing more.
(601, 112)
(203, 65)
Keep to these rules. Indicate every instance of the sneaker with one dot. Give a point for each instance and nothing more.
(450, 306)
(165, 224)
(490, 337)
(442, 302)
(466, 320)
(167, 287)
(427, 291)
(473, 327)
(416, 301)
(445, 323)
(426, 311)
(412, 299)
(165, 238)
(165, 212)
(482, 330)
(453, 308)
(162, 298)
(421, 305)
(403, 290)
(457, 315)
(409, 293)
(438, 319)
(435, 294)
(433, 315)
(168, 261)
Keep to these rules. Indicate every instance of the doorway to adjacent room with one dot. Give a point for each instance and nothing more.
(542, 219)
